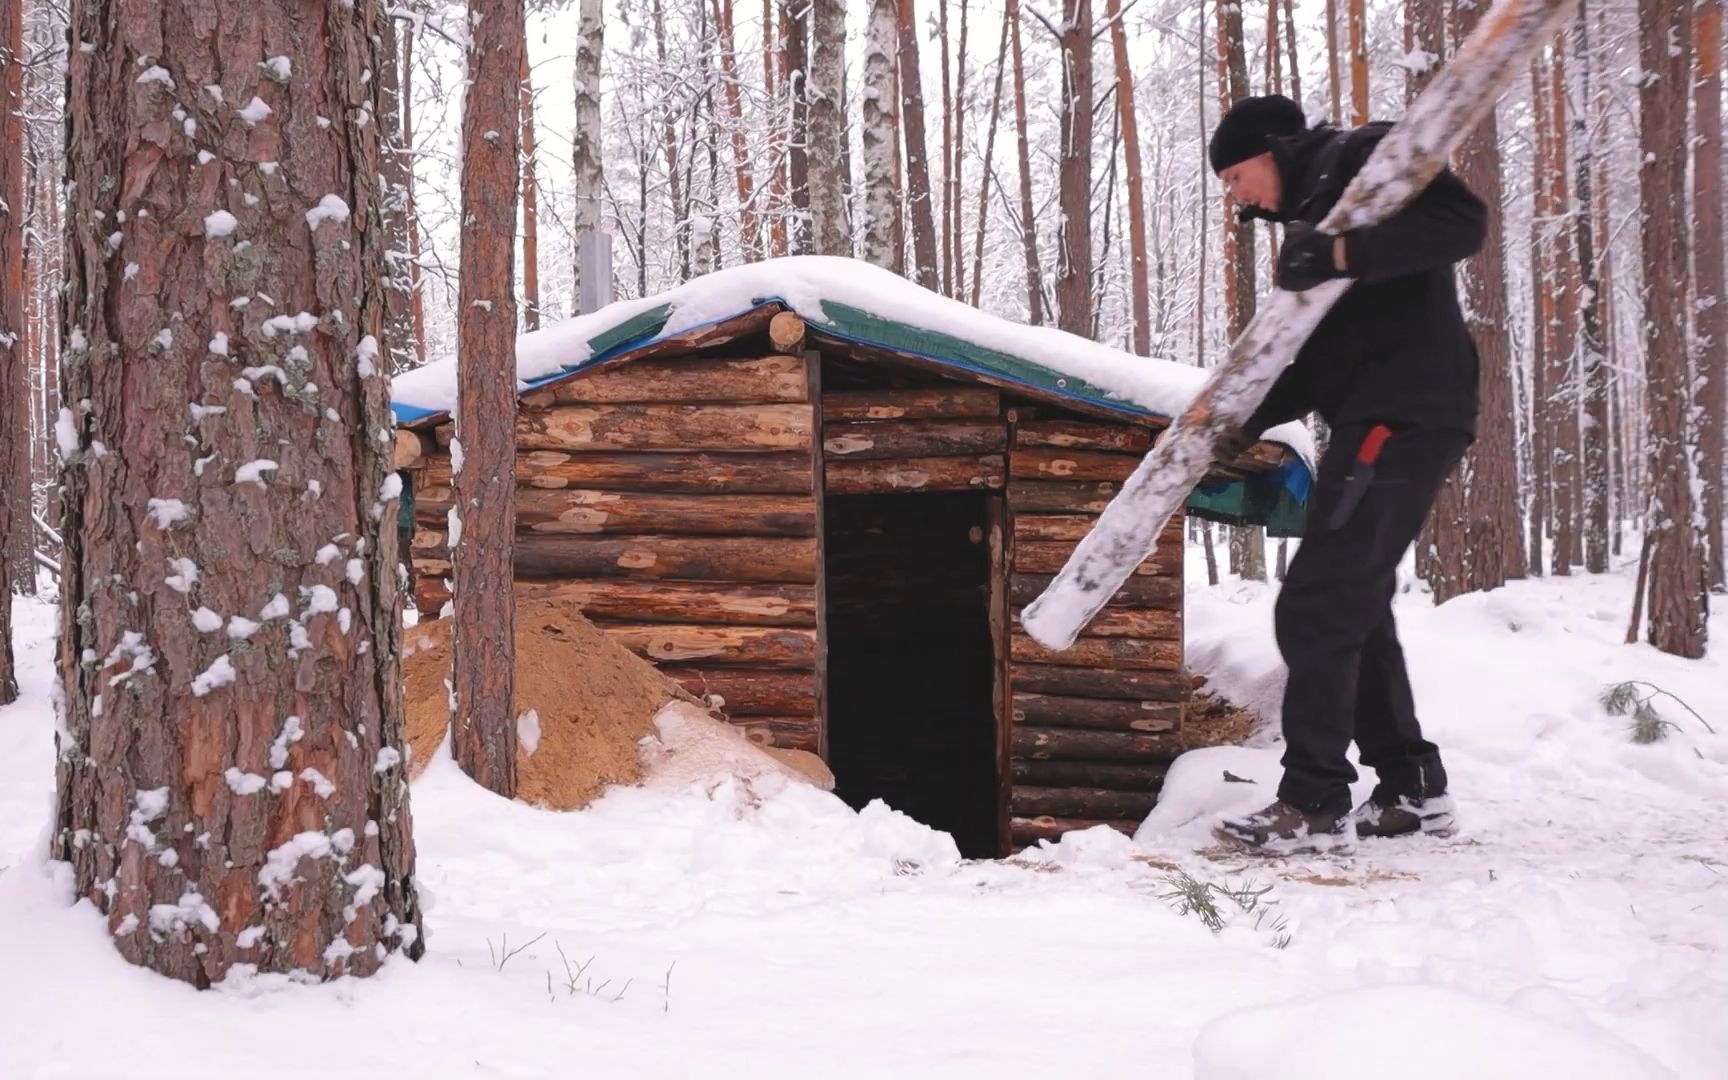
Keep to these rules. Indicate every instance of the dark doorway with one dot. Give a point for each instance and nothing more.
(911, 666)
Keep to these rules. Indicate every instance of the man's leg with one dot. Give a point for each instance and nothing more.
(1387, 732)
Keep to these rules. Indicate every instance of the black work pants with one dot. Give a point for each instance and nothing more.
(1335, 629)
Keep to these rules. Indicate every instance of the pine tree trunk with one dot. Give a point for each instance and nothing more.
(530, 203)
(1028, 214)
(1563, 391)
(1542, 290)
(1074, 227)
(1291, 54)
(1333, 79)
(748, 226)
(881, 137)
(957, 287)
(1711, 303)
(918, 207)
(795, 20)
(14, 368)
(1358, 62)
(828, 128)
(1678, 611)
(483, 525)
(1247, 544)
(231, 780)
(1594, 374)
(989, 169)
(1424, 30)
(947, 270)
(410, 215)
(399, 333)
(1139, 290)
(589, 171)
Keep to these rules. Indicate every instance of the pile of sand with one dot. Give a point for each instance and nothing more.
(594, 706)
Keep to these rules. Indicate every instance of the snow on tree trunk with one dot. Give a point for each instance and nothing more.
(881, 138)
(918, 202)
(589, 176)
(1139, 291)
(1424, 44)
(232, 786)
(828, 128)
(483, 522)
(1028, 213)
(14, 374)
(1711, 289)
(1074, 177)
(1678, 611)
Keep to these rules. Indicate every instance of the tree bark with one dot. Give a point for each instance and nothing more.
(828, 129)
(530, 202)
(1593, 376)
(748, 228)
(947, 270)
(1028, 214)
(411, 217)
(988, 172)
(1711, 302)
(14, 369)
(917, 167)
(957, 286)
(1563, 368)
(1424, 30)
(1074, 181)
(1139, 290)
(1358, 62)
(881, 138)
(1678, 607)
(589, 171)
(483, 720)
(795, 19)
(1334, 82)
(231, 787)
(397, 168)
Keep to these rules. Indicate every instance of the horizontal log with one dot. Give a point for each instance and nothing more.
(1060, 496)
(945, 403)
(762, 559)
(785, 732)
(1099, 804)
(1023, 832)
(1045, 710)
(587, 511)
(1070, 744)
(1053, 463)
(734, 646)
(689, 381)
(1084, 435)
(790, 473)
(751, 691)
(786, 332)
(664, 427)
(1120, 654)
(1143, 591)
(1049, 556)
(913, 474)
(1072, 528)
(1116, 775)
(1096, 683)
(682, 601)
(912, 439)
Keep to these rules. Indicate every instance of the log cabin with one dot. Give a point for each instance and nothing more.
(820, 495)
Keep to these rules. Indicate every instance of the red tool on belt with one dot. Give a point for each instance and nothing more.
(1356, 485)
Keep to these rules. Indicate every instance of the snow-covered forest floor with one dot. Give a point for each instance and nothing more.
(1577, 927)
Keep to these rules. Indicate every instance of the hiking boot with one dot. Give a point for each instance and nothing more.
(1403, 816)
(1283, 829)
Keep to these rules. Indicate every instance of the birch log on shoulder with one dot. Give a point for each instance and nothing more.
(912, 439)
(688, 381)
(586, 511)
(944, 403)
(789, 473)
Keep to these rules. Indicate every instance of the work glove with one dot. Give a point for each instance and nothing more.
(1305, 259)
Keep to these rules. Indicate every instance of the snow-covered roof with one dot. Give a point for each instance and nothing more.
(854, 301)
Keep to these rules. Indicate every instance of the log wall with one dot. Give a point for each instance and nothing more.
(1092, 729)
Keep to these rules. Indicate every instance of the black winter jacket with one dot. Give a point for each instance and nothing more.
(1394, 349)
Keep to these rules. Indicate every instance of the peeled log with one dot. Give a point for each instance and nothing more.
(690, 381)
(1083, 435)
(1115, 653)
(586, 511)
(912, 439)
(751, 691)
(408, 450)
(1091, 682)
(786, 732)
(946, 403)
(789, 473)
(786, 332)
(682, 601)
(1024, 831)
(1061, 496)
(792, 561)
(916, 474)
(1048, 463)
(1080, 802)
(1049, 556)
(665, 427)
(1137, 592)
(1067, 744)
(746, 646)
(1116, 775)
(1042, 710)
(1072, 528)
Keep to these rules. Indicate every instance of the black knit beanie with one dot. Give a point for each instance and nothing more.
(1243, 132)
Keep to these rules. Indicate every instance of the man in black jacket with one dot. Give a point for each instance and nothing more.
(1392, 371)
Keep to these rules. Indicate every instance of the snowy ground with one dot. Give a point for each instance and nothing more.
(1578, 928)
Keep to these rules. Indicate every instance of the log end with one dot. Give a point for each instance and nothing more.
(786, 332)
